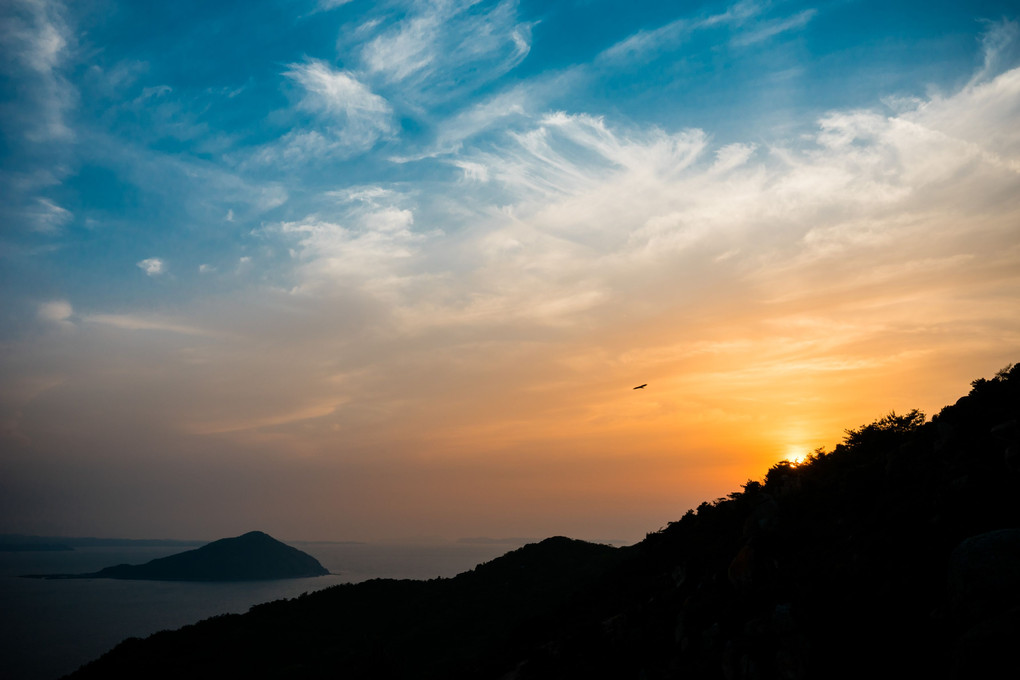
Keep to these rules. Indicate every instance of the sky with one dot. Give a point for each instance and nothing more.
(351, 270)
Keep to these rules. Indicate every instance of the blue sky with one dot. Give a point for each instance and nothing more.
(364, 248)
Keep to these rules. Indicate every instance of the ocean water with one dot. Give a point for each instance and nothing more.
(48, 628)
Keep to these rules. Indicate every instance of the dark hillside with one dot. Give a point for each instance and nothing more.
(895, 555)
(377, 629)
(842, 567)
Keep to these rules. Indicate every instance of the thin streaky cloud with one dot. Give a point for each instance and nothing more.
(47, 217)
(670, 36)
(132, 322)
(306, 413)
(769, 29)
(649, 42)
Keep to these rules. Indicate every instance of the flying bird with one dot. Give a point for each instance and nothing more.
(641, 387)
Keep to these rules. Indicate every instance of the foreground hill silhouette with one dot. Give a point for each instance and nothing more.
(897, 554)
(250, 557)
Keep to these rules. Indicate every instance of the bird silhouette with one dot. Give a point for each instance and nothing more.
(641, 387)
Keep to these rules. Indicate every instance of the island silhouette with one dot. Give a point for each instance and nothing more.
(254, 556)
(895, 555)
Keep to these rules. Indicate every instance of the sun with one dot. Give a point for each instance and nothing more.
(796, 455)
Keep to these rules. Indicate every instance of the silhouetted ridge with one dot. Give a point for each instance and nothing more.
(897, 554)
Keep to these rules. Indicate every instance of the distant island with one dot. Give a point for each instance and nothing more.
(254, 556)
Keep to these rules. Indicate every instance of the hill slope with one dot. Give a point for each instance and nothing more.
(895, 555)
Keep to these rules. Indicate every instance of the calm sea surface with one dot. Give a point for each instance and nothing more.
(50, 627)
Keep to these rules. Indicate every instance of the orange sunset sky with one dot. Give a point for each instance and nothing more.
(367, 276)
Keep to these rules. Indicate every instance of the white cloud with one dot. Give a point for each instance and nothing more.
(590, 208)
(448, 46)
(1001, 48)
(645, 42)
(35, 45)
(326, 5)
(132, 322)
(732, 156)
(572, 154)
(336, 93)
(665, 38)
(332, 253)
(739, 18)
(349, 117)
(488, 114)
(367, 194)
(152, 266)
(47, 217)
(560, 216)
(494, 115)
(983, 114)
(56, 311)
(35, 39)
(769, 29)
(475, 172)
(367, 241)
(406, 50)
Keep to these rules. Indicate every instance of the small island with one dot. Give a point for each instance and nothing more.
(254, 556)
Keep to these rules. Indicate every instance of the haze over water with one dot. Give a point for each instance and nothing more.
(360, 270)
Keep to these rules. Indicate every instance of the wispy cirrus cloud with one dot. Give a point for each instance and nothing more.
(1000, 47)
(771, 28)
(338, 94)
(134, 322)
(347, 118)
(560, 192)
(572, 153)
(326, 5)
(35, 39)
(48, 217)
(649, 41)
(447, 46)
(35, 42)
(744, 20)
